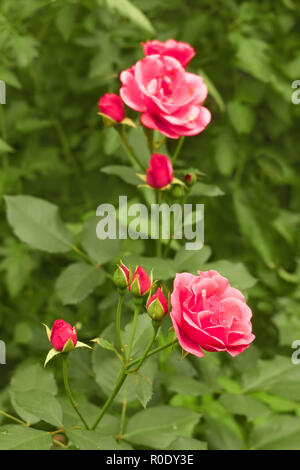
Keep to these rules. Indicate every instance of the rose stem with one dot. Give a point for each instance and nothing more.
(69, 393)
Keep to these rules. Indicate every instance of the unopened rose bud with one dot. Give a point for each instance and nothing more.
(160, 171)
(190, 179)
(112, 106)
(63, 336)
(157, 306)
(140, 283)
(121, 276)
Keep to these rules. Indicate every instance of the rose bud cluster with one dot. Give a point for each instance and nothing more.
(207, 313)
(111, 105)
(157, 306)
(160, 172)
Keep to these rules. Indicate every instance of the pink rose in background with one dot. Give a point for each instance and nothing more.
(160, 171)
(168, 97)
(182, 51)
(112, 106)
(60, 334)
(208, 313)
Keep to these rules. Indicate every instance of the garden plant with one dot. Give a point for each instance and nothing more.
(171, 322)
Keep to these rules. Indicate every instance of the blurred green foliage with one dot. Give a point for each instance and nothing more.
(57, 59)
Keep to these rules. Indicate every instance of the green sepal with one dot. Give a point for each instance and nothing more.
(52, 353)
(108, 121)
(82, 345)
(48, 331)
(128, 122)
(68, 346)
(184, 354)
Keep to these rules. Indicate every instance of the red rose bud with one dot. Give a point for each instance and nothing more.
(160, 171)
(63, 336)
(157, 306)
(190, 179)
(140, 283)
(121, 276)
(112, 106)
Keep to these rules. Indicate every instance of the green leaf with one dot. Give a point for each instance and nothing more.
(41, 405)
(237, 273)
(77, 281)
(126, 173)
(38, 223)
(65, 20)
(143, 389)
(212, 90)
(101, 251)
(14, 437)
(278, 433)
(277, 376)
(5, 147)
(33, 377)
(221, 435)
(106, 367)
(33, 125)
(252, 56)
(187, 443)
(130, 11)
(94, 440)
(244, 405)
(208, 190)
(157, 427)
(241, 116)
(187, 386)
(226, 154)
(9, 77)
(251, 228)
(191, 261)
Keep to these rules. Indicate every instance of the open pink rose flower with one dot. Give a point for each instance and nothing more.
(207, 313)
(182, 51)
(160, 171)
(168, 97)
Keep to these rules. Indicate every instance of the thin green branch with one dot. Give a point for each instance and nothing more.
(68, 390)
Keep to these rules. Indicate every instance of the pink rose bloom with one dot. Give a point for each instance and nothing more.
(60, 334)
(182, 51)
(140, 283)
(160, 171)
(168, 97)
(207, 313)
(112, 106)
